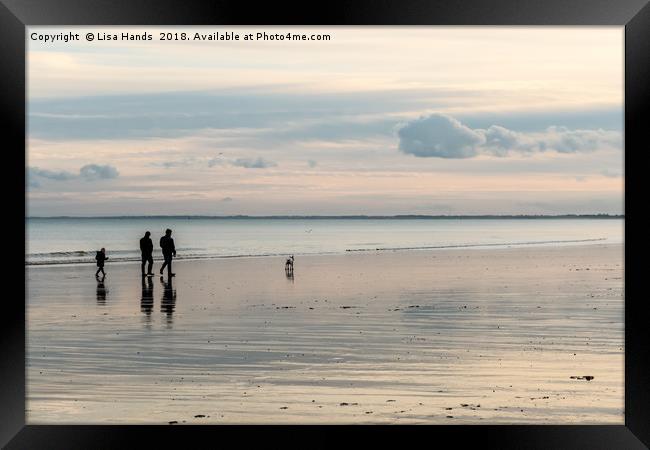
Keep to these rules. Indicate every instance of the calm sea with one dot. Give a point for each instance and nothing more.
(75, 240)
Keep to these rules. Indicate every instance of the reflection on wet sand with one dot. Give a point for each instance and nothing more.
(289, 275)
(146, 300)
(101, 292)
(168, 301)
(413, 337)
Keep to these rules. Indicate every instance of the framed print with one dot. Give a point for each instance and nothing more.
(366, 214)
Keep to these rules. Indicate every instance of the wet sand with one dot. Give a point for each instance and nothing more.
(466, 336)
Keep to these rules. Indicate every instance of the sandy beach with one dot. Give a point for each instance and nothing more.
(462, 336)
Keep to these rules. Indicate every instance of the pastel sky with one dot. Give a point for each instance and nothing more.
(378, 120)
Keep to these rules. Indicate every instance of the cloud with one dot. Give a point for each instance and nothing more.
(31, 180)
(59, 175)
(439, 136)
(442, 136)
(564, 140)
(258, 163)
(89, 172)
(34, 176)
(501, 139)
(226, 199)
(93, 172)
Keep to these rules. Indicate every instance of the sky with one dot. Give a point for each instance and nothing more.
(375, 120)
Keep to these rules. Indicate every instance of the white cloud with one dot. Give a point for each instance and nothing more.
(442, 136)
(439, 136)
(501, 139)
(564, 140)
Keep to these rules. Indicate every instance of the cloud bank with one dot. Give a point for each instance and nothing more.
(34, 176)
(442, 136)
(89, 172)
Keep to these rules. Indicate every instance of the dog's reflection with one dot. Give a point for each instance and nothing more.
(289, 275)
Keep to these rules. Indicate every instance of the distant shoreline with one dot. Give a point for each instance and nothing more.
(355, 217)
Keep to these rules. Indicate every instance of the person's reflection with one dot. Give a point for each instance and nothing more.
(101, 292)
(146, 301)
(168, 299)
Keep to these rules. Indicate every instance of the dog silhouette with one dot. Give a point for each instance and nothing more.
(288, 266)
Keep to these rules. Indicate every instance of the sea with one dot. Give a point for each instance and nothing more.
(65, 240)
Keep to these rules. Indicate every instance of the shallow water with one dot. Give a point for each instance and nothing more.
(395, 337)
(70, 240)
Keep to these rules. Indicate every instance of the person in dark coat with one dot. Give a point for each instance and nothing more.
(146, 248)
(168, 250)
(101, 257)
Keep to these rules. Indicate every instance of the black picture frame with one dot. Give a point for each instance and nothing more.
(634, 15)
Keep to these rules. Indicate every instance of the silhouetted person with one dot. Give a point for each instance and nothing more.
(101, 257)
(168, 300)
(101, 292)
(146, 301)
(146, 248)
(168, 251)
